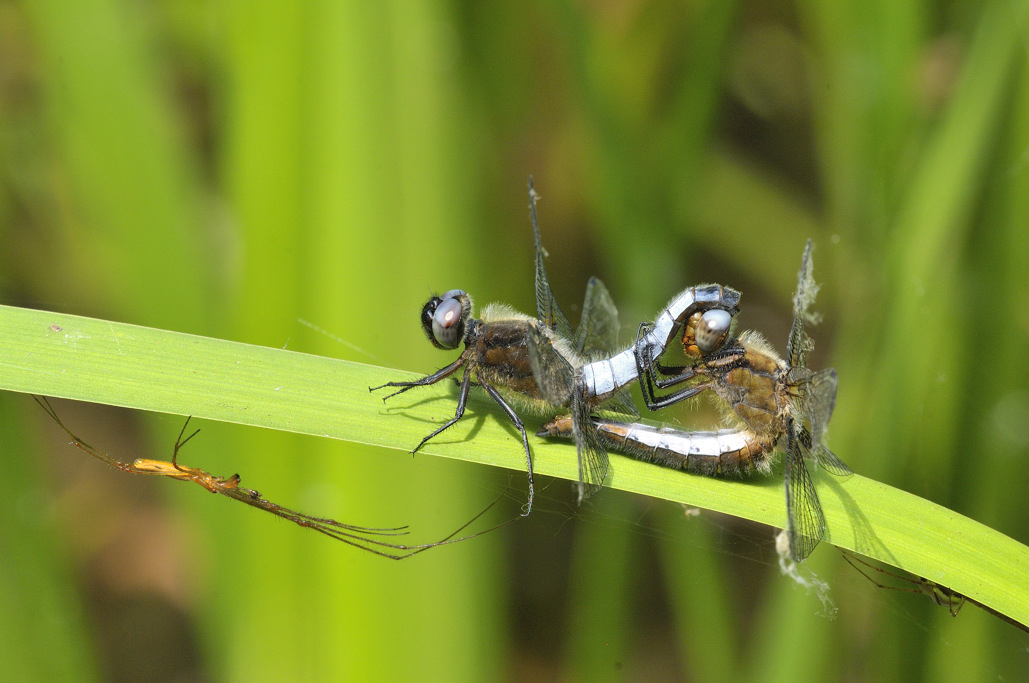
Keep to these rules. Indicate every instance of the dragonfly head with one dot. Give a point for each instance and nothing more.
(444, 318)
(706, 331)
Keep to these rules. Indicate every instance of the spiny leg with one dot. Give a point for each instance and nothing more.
(648, 382)
(462, 399)
(525, 440)
(677, 396)
(442, 373)
(646, 367)
(644, 361)
(677, 374)
(643, 364)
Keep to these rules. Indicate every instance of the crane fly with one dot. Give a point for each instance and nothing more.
(373, 540)
(941, 595)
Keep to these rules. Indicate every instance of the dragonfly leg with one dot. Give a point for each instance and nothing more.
(462, 399)
(644, 365)
(677, 396)
(525, 439)
(647, 368)
(677, 374)
(442, 373)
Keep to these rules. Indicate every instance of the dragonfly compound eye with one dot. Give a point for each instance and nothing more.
(712, 330)
(448, 318)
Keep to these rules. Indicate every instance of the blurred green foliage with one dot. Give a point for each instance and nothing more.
(232, 168)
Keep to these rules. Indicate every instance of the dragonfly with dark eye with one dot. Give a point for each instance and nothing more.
(370, 539)
(941, 595)
(538, 364)
(780, 402)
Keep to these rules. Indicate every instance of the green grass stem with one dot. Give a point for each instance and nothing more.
(170, 372)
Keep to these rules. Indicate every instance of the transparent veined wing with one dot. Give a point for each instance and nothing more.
(547, 309)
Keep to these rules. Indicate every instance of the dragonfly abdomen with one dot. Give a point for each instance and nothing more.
(726, 452)
(603, 378)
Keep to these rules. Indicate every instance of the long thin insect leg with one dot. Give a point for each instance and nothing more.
(44, 403)
(941, 595)
(676, 397)
(525, 439)
(646, 368)
(944, 597)
(442, 373)
(677, 374)
(447, 540)
(851, 560)
(462, 399)
(208, 481)
(180, 442)
(372, 545)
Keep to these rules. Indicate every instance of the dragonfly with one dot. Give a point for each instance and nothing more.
(941, 595)
(373, 540)
(519, 360)
(540, 365)
(776, 400)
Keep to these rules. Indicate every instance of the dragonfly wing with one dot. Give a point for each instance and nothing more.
(805, 523)
(825, 458)
(619, 406)
(799, 343)
(596, 337)
(820, 401)
(830, 461)
(597, 334)
(554, 374)
(593, 462)
(549, 312)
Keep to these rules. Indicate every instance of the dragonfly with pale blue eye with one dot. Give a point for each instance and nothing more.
(538, 365)
(499, 357)
(373, 540)
(779, 402)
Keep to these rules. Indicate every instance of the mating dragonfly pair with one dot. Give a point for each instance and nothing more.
(538, 364)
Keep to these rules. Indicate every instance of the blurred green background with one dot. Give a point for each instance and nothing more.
(234, 169)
